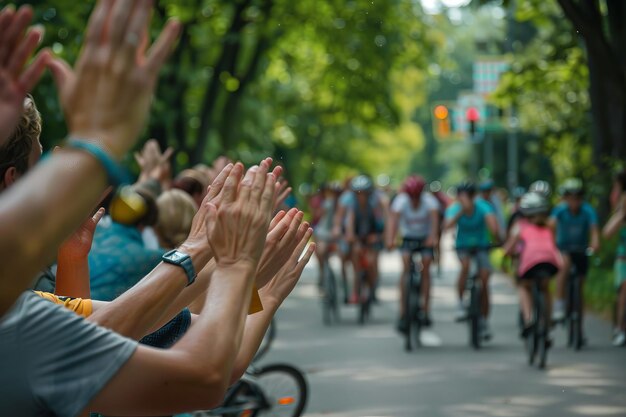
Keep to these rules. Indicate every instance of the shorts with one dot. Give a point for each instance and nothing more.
(540, 271)
(416, 245)
(620, 271)
(482, 258)
(580, 261)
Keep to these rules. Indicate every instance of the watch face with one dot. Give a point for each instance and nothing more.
(176, 256)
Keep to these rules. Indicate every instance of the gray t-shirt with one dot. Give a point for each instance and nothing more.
(53, 362)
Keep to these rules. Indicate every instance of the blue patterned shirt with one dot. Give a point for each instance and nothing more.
(118, 260)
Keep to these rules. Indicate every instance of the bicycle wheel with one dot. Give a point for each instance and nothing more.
(364, 299)
(474, 315)
(329, 303)
(285, 391)
(408, 315)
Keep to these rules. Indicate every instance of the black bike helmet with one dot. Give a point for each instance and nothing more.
(467, 187)
(540, 187)
(572, 186)
(534, 203)
(361, 184)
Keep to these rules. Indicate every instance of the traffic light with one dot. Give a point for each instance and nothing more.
(441, 122)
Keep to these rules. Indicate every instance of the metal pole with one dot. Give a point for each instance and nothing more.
(512, 154)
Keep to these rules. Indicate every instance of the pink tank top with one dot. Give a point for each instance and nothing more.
(538, 247)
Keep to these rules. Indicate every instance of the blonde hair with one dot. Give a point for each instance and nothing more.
(17, 149)
(176, 212)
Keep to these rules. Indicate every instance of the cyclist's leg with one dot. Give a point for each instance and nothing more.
(357, 247)
(427, 259)
(621, 307)
(561, 281)
(525, 299)
(320, 252)
(372, 266)
(484, 273)
(582, 266)
(464, 259)
(403, 279)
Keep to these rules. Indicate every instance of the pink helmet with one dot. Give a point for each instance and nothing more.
(414, 185)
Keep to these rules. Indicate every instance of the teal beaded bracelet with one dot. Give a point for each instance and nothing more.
(116, 174)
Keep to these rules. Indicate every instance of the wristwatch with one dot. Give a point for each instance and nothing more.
(176, 257)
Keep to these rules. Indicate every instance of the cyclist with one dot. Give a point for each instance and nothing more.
(539, 256)
(417, 214)
(324, 213)
(576, 225)
(364, 230)
(488, 195)
(617, 225)
(474, 219)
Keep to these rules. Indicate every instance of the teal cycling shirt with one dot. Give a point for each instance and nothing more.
(572, 230)
(472, 231)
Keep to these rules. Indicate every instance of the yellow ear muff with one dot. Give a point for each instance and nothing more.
(127, 206)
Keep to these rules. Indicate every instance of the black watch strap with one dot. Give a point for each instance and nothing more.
(178, 258)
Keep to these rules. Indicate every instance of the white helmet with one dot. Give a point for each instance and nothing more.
(533, 203)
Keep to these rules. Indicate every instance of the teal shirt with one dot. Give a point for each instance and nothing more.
(118, 260)
(472, 231)
(573, 230)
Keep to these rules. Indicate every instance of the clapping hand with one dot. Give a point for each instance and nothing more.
(237, 229)
(17, 78)
(106, 96)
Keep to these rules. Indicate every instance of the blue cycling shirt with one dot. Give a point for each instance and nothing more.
(572, 230)
(472, 230)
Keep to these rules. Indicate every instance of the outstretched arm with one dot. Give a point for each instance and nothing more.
(105, 102)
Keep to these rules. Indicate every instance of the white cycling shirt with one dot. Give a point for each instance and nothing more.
(415, 222)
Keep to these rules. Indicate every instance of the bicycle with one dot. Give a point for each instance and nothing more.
(574, 307)
(538, 341)
(473, 286)
(366, 293)
(273, 390)
(412, 298)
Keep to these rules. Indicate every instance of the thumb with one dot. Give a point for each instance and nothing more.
(61, 72)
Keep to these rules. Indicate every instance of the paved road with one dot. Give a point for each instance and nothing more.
(364, 371)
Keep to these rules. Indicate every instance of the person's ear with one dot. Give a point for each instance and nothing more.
(10, 176)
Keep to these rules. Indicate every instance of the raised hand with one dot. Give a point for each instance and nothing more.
(282, 192)
(78, 245)
(237, 229)
(280, 244)
(17, 79)
(107, 96)
(286, 279)
(154, 164)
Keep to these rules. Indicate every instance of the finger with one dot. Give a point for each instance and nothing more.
(260, 180)
(302, 230)
(24, 50)
(163, 46)
(277, 218)
(278, 171)
(61, 72)
(294, 225)
(167, 154)
(136, 28)
(267, 198)
(119, 22)
(98, 216)
(245, 187)
(295, 256)
(305, 259)
(218, 183)
(31, 75)
(96, 27)
(13, 33)
(232, 183)
(275, 235)
(6, 17)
